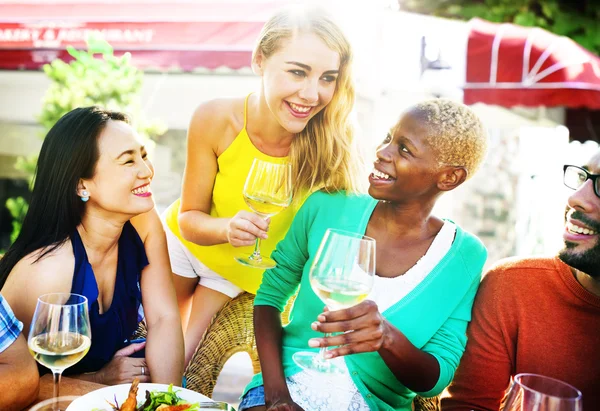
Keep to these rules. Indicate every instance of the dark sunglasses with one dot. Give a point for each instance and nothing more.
(575, 177)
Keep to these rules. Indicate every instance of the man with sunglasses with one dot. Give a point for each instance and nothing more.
(539, 315)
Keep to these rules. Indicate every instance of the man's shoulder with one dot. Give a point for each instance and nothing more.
(513, 265)
(517, 272)
(516, 285)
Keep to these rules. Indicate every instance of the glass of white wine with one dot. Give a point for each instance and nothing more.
(60, 334)
(534, 392)
(267, 191)
(342, 276)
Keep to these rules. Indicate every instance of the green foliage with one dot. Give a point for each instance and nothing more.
(575, 19)
(18, 208)
(110, 82)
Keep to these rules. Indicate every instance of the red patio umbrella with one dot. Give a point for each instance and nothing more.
(510, 65)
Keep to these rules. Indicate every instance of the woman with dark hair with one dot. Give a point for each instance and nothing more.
(92, 229)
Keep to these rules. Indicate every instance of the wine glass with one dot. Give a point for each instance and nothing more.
(267, 191)
(60, 334)
(533, 392)
(341, 276)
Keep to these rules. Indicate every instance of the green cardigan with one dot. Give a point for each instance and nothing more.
(433, 316)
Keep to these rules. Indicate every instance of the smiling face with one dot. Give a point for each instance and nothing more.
(298, 80)
(582, 226)
(121, 181)
(406, 167)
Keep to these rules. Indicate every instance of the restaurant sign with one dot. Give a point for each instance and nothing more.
(58, 37)
(131, 35)
(163, 45)
(206, 35)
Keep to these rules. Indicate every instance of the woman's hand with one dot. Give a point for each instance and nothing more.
(245, 227)
(364, 328)
(284, 404)
(123, 369)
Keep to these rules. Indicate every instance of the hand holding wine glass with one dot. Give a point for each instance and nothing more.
(341, 276)
(267, 191)
(358, 329)
(60, 334)
(245, 227)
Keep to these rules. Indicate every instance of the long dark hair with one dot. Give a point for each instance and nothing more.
(69, 153)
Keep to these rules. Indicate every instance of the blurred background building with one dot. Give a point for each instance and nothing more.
(520, 81)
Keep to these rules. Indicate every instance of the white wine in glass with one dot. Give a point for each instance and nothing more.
(339, 294)
(267, 191)
(60, 334)
(342, 276)
(533, 392)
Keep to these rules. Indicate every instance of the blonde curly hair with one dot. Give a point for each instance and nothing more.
(455, 133)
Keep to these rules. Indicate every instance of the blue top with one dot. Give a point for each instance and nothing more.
(112, 329)
(10, 327)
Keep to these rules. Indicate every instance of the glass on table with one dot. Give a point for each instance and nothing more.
(341, 276)
(533, 392)
(60, 335)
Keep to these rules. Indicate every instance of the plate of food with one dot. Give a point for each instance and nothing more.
(144, 397)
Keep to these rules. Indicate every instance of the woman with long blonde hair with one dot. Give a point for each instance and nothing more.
(300, 115)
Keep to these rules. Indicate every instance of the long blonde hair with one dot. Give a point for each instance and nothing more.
(324, 155)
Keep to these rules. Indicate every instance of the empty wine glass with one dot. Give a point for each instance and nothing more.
(533, 392)
(341, 276)
(267, 191)
(60, 334)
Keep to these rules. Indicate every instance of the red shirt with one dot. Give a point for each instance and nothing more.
(529, 316)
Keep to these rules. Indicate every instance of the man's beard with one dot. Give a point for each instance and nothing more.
(587, 261)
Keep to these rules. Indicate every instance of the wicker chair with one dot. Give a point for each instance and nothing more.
(230, 331)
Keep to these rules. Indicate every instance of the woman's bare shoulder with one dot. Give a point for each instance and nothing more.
(217, 121)
(147, 224)
(37, 264)
(35, 274)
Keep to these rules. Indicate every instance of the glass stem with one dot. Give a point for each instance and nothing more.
(323, 351)
(256, 253)
(56, 376)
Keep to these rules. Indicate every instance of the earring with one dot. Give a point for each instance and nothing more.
(85, 196)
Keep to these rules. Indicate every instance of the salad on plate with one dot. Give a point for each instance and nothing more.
(145, 397)
(155, 401)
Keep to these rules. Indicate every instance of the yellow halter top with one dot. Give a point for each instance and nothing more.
(227, 199)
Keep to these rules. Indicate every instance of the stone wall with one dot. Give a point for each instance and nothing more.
(485, 204)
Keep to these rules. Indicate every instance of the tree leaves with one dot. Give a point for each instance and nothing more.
(18, 208)
(525, 18)
(577, 20)
(107, 80)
